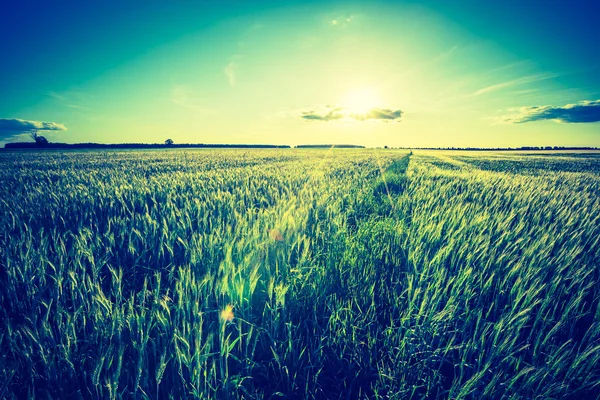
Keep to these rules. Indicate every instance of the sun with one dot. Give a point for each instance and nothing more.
(361, 101)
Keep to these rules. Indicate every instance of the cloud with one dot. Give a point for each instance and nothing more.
(332, 113)
(341, 20)
(518, 81)
(70, 99)
(379, 113)
(230, 73)
(585, 111)
(15, 126)
(184, 96)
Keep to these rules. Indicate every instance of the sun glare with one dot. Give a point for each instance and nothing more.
(361, 101)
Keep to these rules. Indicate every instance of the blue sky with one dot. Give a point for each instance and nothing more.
(432, 73)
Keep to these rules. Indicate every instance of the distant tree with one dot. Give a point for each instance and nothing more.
(168, 142)
(39, 139)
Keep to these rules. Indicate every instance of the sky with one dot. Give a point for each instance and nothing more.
(374, 73)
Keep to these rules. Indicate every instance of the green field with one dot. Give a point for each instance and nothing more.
(291, 273)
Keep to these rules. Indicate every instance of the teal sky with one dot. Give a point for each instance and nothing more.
(418, 74)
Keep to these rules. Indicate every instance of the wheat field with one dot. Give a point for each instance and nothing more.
(287, 273)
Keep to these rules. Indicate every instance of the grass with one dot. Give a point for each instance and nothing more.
(299, 274)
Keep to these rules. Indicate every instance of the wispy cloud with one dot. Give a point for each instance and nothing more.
(514, 82)
(341, 20)
(420, 67)
(332, 113)
(71, 99)
(585, 111)
(230, 70)
(15, 126)
(184, 96)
